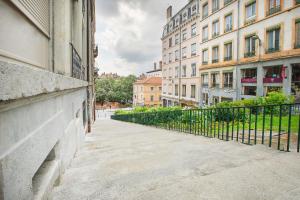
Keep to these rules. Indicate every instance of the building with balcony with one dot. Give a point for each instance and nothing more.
(245, 48)
(47, 95)
(180, 68)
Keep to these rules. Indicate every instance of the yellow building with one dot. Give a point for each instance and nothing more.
(147, 92)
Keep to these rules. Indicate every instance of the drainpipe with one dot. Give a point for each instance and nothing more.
(237, 54)
(179, 76)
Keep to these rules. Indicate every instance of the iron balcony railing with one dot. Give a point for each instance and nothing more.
(273, 10)
(272, 50)
(227, 2)
(227, 58)
(78, 70)
(277, 126)
(249, 54)
(215, 60)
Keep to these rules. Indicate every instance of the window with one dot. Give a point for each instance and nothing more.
(184, 16)
(228, 22)
(170, 42)
(273, 7)
(165, 59)
(228, 79)
(159, 88)
(152, 98)
(251, 11)
(194, 30)
(152, 88)
(184, 71)
(193, 49)
(193, 66)
(297, 2)
(215, 54)
(205, 33)
(215, 80)
(176, 55)
(228, 51)
(227, 2)
(205, 10)
(184, 35)
(215, 5)
(249, 90)
(205, 98)
(205, 57)
(215, 28)
(194, 9)
(273, 37)
(249, 46)
(176, 72)
(183, 90)
(176, 39)
(204, 80)
(297, 34)
(170, 57)
(176, 90)
(193, 91)
(170, 72)
(184, 52)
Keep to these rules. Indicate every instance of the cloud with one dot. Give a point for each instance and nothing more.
(128, 33)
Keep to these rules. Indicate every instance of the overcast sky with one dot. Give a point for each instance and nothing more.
(128, 33)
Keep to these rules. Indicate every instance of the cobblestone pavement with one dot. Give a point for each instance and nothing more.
(128, 161)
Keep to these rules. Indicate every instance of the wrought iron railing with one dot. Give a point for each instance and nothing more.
(249, 54)
(78, 70)
(277, 126)
(273, 10)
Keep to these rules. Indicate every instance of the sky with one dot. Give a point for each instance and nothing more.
(128, 34)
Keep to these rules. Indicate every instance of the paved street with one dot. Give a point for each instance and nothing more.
(127, 161)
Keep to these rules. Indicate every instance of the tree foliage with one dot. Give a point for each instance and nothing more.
(119, 89)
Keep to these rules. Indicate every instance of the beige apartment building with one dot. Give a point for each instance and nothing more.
(245, 48)
(47, 98)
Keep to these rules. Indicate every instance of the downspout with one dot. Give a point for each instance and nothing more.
(180, 57)
(88, 64)
(238, 50)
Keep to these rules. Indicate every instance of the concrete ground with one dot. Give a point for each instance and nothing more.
(128, 161)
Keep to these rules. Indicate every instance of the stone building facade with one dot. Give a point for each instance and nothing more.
(246, 48)
(47, 53)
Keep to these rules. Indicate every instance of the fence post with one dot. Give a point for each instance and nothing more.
(289, 129)
(190, 120)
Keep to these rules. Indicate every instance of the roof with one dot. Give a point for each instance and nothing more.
(150, 80)
(157, 70)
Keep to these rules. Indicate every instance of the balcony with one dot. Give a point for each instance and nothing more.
(204, 15)
(227, 58)
(272, 50)
(204, 62)
(215, 34)
(215, 60)
(78, 70)
(204, 39)
(273, 80)
(204, 85)
(226, 2)
(273, 10)
(249, 80)
(215, 9)
(249, 54)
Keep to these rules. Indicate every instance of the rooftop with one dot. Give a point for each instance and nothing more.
(150, 80)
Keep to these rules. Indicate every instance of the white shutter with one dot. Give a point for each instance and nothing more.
(38, 11)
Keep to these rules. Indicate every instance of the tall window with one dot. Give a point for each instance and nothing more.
(170, 42)
(170, 72)
(176, 72)
(184, 71)
(249, 46)
(176, 90)
(183, 90)
(193, 66)
(227, 79)
(193, 91)
(205, 56)
(184, 35)
(215, 28)
(251, 11)
(205, 10)
(297, 34)
(193, 49)
(215, 54)
(273, 37)
(215, 80)
(177, 39)
(170, 57)
(215, 5)
(193, 30)
(176, 55)
(184, 52)
(152, 98)
(205, 33)
(273, 7)
(228, 51)
(228, 22)
(204, 80)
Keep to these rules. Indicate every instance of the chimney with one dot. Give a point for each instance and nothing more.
(169, 13)
(155, 66)
(160, 64)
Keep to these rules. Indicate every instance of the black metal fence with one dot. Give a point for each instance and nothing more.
(277, 126)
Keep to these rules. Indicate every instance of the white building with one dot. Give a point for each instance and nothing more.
(46, 91)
